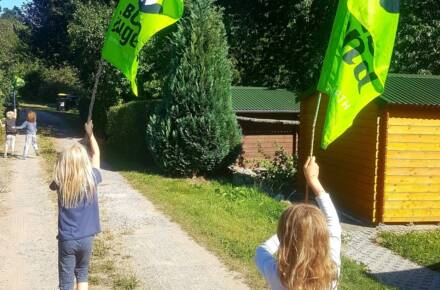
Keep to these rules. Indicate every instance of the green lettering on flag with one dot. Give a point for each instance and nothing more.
(134, 22)
(357, 60)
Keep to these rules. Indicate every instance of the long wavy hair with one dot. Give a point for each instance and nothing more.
(304, 260)
(73, 175)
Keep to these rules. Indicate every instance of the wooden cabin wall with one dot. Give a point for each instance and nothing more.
(348, 166)
(412, 175)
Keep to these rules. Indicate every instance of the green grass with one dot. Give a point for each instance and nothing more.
(230, 221)
(420, 247)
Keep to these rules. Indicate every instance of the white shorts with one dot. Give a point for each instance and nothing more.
(10, 140)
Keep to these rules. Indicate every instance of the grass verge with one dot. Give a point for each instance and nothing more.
(230, 221)
(420, 247)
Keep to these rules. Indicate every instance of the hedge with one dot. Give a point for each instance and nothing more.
(126, 126)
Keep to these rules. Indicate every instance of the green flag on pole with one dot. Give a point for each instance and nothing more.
(134, 22)
(18, 82)
(357, 60)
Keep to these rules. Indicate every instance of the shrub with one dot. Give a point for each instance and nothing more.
(126, 128)
(280, 173)
(195, 130)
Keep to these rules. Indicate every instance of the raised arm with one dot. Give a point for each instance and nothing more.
(94, 147)
(311, 172)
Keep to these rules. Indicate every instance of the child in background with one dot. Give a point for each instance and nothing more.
(76, 178)
(30, 126)
(307, 245)
(11, 118)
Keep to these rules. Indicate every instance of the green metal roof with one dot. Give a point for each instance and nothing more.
(402, 89)
(263, 100)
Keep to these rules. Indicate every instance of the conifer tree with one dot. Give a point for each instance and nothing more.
(195, 130)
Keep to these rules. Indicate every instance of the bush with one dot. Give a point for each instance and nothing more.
(195, 129)
(126, 128)
(279, 176)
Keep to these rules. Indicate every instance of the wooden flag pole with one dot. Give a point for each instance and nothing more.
(315, 119)
(95, 88)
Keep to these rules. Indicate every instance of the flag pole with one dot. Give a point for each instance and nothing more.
(312, 141)
(85, 140)
(95, 88)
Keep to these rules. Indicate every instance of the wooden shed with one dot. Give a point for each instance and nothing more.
(386, 167)
(268, 119)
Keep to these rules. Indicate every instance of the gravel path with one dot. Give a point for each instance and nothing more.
(28, 225)
(162, 255)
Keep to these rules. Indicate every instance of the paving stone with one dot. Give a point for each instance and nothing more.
(385, 265)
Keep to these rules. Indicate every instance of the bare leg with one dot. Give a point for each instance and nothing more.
(26, 145)
(83, 286)
(13, 145)
(35, 145)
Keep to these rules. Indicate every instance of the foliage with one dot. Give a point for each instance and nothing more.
(126, 128)
(13, 55)
(280, 172)
(86, 33)
(418, 38)
(195, 129)
(420, 247)
(281, 43)
(278, 43)
(44, 83)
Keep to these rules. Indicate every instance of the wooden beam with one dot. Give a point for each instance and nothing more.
(267, 121)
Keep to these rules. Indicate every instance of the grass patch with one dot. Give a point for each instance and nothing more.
(230, 221)
(47, 150)
(354, 276)
(420, 247)
(127, 282)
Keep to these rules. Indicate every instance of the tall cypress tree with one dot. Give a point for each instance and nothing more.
(195, 130)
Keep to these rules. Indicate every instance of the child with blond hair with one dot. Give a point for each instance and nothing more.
(30, 126)
(11, 132)
(308, 243)
(76, 177)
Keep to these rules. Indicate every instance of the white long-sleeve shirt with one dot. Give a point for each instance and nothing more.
(266, 262)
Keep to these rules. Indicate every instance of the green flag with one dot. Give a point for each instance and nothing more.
(134, 22)
(18, 82)
(357, 60)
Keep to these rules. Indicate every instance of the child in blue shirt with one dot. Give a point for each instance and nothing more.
(76, 179)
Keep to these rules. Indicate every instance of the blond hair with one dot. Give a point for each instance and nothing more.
(304, 261)
(31, 116)
(10, 115)
(74, 177)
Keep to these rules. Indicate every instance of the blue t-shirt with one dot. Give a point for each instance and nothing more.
(81, 221)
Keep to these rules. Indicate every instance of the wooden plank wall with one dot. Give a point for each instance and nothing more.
(412, 182)
(264, 146)
(348, 166)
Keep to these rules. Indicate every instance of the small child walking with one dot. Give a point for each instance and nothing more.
(11, 132)
(76, 179)
(30, 126)
(307, 246)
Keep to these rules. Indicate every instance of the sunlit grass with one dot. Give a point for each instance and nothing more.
(420, 247)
